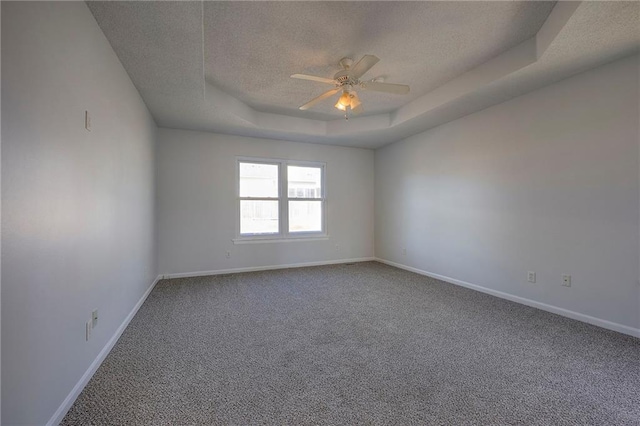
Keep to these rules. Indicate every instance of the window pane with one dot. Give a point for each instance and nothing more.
(258, 180)
(305, 216)
(258, 217)
(304, 182)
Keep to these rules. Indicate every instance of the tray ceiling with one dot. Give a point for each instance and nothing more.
(225, 66)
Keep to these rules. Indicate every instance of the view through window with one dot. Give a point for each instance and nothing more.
(259, 198)
(304, 190)
(280, 198)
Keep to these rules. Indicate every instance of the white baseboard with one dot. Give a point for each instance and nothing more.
(625, 329)
(265, 268)
(75, 392)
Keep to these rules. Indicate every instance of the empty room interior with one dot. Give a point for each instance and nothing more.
(274, 212)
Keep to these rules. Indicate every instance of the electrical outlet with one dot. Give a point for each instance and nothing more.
(566, 280)
(531, 277)
(94, 318)
(228, 255)
(88, 328)
(404, 251)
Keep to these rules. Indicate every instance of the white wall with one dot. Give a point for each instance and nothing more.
(547, 182)
(77, 206)
(196, 203)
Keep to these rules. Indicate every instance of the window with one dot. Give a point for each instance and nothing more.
(280, 199)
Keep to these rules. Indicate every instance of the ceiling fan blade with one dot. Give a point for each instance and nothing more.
(396, 89)
(324, 96)
(363, 66)
(313, 78)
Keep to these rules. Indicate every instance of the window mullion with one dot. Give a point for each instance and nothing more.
(284, 200)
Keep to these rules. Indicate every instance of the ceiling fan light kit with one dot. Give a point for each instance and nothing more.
(344, 100)
(349, 103)
(346, 80)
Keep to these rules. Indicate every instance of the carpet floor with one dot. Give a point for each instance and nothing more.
(356, 344)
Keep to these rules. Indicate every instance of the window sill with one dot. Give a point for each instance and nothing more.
(249, 240)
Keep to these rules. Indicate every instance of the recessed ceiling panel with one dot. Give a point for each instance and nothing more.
(251, 48)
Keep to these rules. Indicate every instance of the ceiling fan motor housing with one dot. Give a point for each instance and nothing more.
(342, 77)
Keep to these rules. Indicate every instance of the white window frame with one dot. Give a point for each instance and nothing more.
(283, 199)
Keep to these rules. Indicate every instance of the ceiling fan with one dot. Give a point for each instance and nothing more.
(346, 80)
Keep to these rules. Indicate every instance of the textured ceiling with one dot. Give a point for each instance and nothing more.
(159, 43)
(251, 48)
(225, 66)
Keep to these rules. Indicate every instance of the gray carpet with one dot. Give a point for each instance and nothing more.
(359, 344)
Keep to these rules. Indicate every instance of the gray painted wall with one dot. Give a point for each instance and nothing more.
(546, 182)
(77, 206)
(197, 202)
